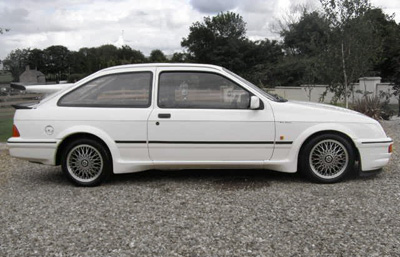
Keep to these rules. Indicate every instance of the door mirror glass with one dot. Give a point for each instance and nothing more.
(254, 103)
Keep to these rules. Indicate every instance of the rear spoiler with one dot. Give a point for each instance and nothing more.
(41, 89)
(24, 106)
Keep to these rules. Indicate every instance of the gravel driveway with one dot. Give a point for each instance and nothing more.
(198, 213)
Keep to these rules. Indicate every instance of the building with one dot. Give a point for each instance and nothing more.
(32, 76)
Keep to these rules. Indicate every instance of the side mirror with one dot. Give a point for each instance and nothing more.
(254, 103)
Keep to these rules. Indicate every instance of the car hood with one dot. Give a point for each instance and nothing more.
(316, 112)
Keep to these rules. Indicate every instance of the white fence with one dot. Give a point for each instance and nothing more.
(314, 93)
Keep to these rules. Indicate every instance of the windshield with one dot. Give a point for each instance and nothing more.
(275, 98)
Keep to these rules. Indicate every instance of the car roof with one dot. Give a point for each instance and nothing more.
(177, 65)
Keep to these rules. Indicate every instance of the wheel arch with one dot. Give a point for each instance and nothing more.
(76, 136)
(322, 132)
(97, 134)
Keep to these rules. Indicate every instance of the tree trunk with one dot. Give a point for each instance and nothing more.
(398, 114)
(346, 101)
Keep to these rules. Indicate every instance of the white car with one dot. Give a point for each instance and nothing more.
(183, 116)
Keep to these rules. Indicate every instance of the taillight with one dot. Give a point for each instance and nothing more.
(15, 132)
(390, 150)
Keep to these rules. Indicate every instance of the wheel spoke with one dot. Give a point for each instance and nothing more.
(84, 163)
(328, 158)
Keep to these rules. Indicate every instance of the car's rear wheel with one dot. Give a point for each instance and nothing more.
(86, 162)
(327, 158)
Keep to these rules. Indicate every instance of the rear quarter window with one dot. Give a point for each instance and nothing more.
(115, 90)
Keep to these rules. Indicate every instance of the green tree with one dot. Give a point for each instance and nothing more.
(37, 59)
(352, 46)
(217, 40)
(308, 36)
(221, 40)
(261, 59)
(306, 43)
(337, 45)
(157, 56)
(107, 56)
(57, 62)
(179, 57)
(78, 68)
(389, 66)
(128, 55)
(90, 59)
(16, 62)
(395, 78)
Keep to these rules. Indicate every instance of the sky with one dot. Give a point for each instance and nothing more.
(142, 24)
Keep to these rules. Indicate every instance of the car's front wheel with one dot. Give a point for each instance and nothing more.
(86, 162)
(327, 158)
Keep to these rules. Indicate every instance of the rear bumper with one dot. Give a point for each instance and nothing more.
(33, 150)
(374, 154)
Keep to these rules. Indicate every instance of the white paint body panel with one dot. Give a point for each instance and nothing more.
(131, 134)
(210, 125)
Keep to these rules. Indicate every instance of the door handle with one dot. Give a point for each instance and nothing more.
(164, 115)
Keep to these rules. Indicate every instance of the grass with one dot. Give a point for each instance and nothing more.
(6, 122)
(5, 77)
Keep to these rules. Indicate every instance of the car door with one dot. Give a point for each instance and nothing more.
(204, 116)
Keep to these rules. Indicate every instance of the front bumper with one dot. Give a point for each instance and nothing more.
(374, 154)
(369, 172)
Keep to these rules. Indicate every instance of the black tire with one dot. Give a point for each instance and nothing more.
(327, 158)
(86, 162)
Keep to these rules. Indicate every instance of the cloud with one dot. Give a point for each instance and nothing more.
(147, 25)
(213, 6)
(257, 6)
(12, 16)
(75, 24)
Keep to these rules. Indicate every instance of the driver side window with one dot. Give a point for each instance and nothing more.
(200, 90)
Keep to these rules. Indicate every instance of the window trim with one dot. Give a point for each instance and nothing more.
(205, 108)
(106, 105)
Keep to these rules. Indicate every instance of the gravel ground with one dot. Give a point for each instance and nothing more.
(198, 213)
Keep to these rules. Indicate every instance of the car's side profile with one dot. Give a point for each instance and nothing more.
(175, 116)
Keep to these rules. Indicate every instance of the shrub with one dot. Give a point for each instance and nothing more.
(75, 77)
(373, 107)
